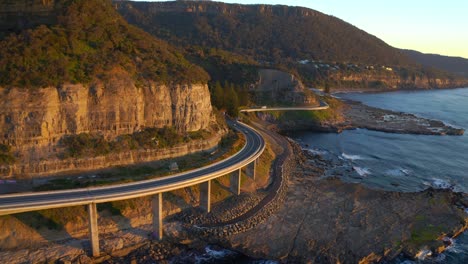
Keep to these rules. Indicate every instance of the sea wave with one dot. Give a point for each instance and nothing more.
(214, 256)
(319, 152)
(362, 171)
(352, 157)
(397, 172)
(437, 183)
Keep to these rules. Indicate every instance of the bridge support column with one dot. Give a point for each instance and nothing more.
(205, 198)
(251, 169)
(93, 229)
(235, 180)
(156, 206)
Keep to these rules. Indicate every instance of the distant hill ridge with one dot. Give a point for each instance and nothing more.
(265, 32)
(455, 65)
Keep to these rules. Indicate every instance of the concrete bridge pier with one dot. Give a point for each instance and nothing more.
(156, 207)
(93, 229)
(235, 180)
(205, 198)
(250, 169)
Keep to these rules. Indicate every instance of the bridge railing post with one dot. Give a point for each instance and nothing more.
(205, 196)
(93, 229)
(156, 206)
(235, 182)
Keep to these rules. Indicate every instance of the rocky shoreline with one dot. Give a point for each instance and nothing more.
(348, 115)
(359, 115)
(324, 220)
(308, 213)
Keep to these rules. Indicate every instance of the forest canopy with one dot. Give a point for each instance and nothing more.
(89, 40)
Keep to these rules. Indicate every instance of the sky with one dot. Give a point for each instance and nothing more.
(428, 26)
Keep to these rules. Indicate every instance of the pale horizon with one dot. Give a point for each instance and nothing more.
(433, 27)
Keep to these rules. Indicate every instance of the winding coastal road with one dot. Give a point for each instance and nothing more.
(24, 202)
(322, 106)
(253, 148)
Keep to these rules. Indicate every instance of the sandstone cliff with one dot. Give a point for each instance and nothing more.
(34, 121)
(391, 80)
(279, 87)
(18, 15)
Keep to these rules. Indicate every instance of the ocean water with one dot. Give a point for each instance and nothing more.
(407, 163)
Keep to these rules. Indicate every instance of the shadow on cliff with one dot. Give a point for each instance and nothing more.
(178, 200)
(121, 221)
(46, 225)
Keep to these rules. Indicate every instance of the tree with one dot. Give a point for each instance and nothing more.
(217, 95)
(232, 102)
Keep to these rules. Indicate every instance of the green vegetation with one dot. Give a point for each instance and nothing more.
(266, 33)
(90, 41)
(231, 143)
(239, 38)
(229, 97)
(333, 114)
(6, 157)
(224, 66)
(452, 64)
(425, 235)
(89, 145)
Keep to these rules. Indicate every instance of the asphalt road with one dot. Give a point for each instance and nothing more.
(322, 106)
(23, 202)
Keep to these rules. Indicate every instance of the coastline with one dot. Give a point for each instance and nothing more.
(386, 90)
(313, 217)
(342, 221)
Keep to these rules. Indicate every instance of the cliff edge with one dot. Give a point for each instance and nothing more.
(79, 67)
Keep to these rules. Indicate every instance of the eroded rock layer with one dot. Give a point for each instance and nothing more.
(34, 121)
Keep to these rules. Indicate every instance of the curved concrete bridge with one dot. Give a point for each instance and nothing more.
(246, 157)
(322, 106)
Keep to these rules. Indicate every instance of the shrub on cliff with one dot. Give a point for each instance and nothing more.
(91, 145)
(6, 157)
(89, 39)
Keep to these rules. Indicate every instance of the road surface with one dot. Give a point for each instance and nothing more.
(24, 202)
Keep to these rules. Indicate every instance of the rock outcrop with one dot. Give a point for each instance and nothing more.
(34, 121)
(18, 15)
(275, 86)
(370, 80)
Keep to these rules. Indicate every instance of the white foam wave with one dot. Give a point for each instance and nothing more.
(214, 255)
(218, 254)
(362, 171)
(317, 152)
(451, 245)
(352, 157)
(423, 254)
(439, 184)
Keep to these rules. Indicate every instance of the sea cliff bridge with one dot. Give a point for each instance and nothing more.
(246, 157)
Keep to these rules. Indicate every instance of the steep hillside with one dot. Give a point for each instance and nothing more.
(455, 65)
(322, 50)
(263, 31)
(86, 70)
(88, 40)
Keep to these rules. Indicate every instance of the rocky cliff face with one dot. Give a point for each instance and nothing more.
(34, 121)
(281, 87)
(18, 15)
(391, 80)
